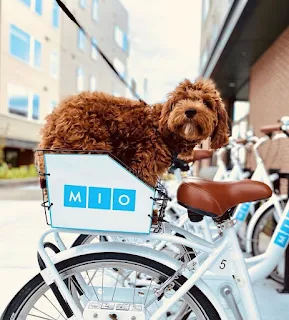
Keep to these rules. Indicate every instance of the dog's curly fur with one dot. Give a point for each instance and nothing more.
(143, 137)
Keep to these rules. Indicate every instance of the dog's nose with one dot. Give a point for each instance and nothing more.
(190, 113)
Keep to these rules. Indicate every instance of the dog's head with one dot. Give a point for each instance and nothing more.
(195, 111)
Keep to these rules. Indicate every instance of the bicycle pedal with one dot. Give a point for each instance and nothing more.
(96, 310)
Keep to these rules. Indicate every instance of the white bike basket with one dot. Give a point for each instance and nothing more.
(96, 192)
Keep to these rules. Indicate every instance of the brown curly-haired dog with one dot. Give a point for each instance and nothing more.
(143, 137)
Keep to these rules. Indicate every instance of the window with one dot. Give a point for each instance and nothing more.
(206, 6)
(125, 42)
(35, 107)
(38, 6)
(92, 83)
(54, 64)
(94, 51)
(82, 3)
(25, 47)
(37, 54)
(27, 2)
(118, 35)
(23, 102)
(80, 79)
(120, 38)
(94, 10)
(53, 104)
(81, 39)
(120, 67)
(55, 15)
(18, 100)
(19, 43)
(35, 5)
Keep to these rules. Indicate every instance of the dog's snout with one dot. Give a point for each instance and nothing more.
(190, 113)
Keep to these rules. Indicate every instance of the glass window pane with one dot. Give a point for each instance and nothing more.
(53, 104)
(17, 100)
(118, 36)
(55, 15)
(35, 106)
(94, 9)
(80, 79)
(54, 64)
(92, 84)
(19, 43)
(120, 67)
(94, 51)
(38, 6)
(82, 3)
(125, 42)
(27, 2)
(81, 39)
(37, 54)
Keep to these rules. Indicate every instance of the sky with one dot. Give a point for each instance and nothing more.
(164, 43)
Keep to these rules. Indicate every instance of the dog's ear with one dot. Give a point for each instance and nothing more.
(165, 113)
(220, 135)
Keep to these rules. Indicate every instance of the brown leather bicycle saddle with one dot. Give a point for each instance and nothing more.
(210, 198)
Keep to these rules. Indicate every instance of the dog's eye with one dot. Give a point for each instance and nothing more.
(209, 104)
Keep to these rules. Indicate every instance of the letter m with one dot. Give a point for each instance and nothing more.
(75, 196)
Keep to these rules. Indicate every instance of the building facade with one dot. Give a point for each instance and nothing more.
(44, 57)
(27, 86)
(249, 63)
(81, 66)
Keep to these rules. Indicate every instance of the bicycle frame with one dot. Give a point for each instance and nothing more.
(225, 248)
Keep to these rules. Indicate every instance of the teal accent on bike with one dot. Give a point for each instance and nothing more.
(243, 211)
(281, 239)
(285, 226)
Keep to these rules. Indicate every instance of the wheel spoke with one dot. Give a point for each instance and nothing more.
(115, 285)
(54, 306)
(45, 313)
(33, 315)
(92, 286)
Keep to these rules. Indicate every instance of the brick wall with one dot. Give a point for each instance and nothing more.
(269, 99)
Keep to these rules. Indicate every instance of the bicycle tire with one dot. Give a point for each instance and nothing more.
(13, 310)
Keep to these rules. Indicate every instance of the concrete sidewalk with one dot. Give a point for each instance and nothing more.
(22, 223)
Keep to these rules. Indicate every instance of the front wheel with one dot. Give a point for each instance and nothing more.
(110, 278)
(262, 235)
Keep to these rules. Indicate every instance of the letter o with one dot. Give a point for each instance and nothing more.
(126, 201)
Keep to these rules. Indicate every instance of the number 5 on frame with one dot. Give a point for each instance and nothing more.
(223, 266)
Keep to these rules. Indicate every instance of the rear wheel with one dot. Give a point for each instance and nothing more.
(110, 277)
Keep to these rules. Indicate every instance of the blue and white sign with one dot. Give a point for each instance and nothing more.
(94, 192)
(282, 237)
(243, 210)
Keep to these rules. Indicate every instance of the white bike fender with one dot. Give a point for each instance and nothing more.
(143, 252)
(256, 216)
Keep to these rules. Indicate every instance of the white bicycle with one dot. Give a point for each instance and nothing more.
(109, 280)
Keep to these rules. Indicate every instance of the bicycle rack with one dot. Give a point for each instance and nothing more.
(285, 288)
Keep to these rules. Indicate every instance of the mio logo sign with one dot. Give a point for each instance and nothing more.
(99, 198)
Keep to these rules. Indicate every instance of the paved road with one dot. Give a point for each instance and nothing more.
(28, 193)
(21, 224)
